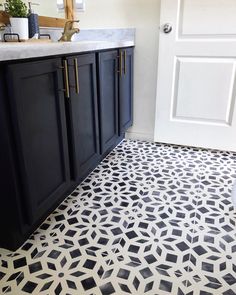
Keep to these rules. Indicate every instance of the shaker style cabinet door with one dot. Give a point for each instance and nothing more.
(108, 98)
(38, 117)
(125, 89)
(83, 115)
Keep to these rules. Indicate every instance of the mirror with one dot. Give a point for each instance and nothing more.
(45, 7)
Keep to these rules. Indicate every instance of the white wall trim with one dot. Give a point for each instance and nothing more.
(139, 135)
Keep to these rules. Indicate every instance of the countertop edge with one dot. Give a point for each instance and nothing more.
(20, 51)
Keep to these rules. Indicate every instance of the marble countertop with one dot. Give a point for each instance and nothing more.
(14, 51)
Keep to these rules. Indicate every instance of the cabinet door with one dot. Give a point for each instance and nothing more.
(108, 99)
(126, 90)
(83, 115)
(38, 116)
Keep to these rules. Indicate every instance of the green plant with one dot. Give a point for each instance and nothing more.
(16, 8)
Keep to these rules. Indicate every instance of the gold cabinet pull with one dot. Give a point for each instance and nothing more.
(76, 75)
(120, 63)
(66, 75)
(125, 58)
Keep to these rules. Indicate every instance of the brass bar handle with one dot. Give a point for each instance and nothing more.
(67, 86)
(121, 63)
(125, 58)
(77, 88)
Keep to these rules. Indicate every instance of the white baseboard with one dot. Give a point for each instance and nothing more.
(139, 136)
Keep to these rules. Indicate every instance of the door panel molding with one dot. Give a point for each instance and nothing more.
(224, 116)
(212, 14)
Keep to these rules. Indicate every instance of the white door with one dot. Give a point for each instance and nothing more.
(196, 74)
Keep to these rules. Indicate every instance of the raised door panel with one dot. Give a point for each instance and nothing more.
(126, 90)
(217, 19)
(108, 99)
(198, 76)
(38, 114)
(83, 117)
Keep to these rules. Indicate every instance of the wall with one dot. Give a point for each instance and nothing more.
(144, 15)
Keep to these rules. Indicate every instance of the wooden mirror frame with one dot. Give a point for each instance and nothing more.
(45, 21)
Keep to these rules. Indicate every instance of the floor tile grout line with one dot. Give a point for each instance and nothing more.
(195, 212)
(199, 191)
(200, 173)
(119, 241)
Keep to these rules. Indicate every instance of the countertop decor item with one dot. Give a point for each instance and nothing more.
(17, 10)
(33, 21)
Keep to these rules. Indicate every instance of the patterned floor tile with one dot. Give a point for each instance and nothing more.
(109, 194)
(69, 271)
(99, 230)
(59, 270)
(11, 269)
(151, 219)
(213, 256)
(194, 286)
(157, 244)
(174, 204)
(216, 213)
(158, 176)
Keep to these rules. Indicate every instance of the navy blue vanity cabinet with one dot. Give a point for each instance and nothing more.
(125, 89)
(108, 99)
(83, 115)
(59, 117)
(37, 112)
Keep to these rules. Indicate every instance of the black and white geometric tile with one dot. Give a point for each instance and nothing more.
(151, 219)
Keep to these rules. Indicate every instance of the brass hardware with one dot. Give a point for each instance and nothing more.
(69, 31)
(120, 64)
(66, 75)
(2, 26)
(76, 76)
(125, 55)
